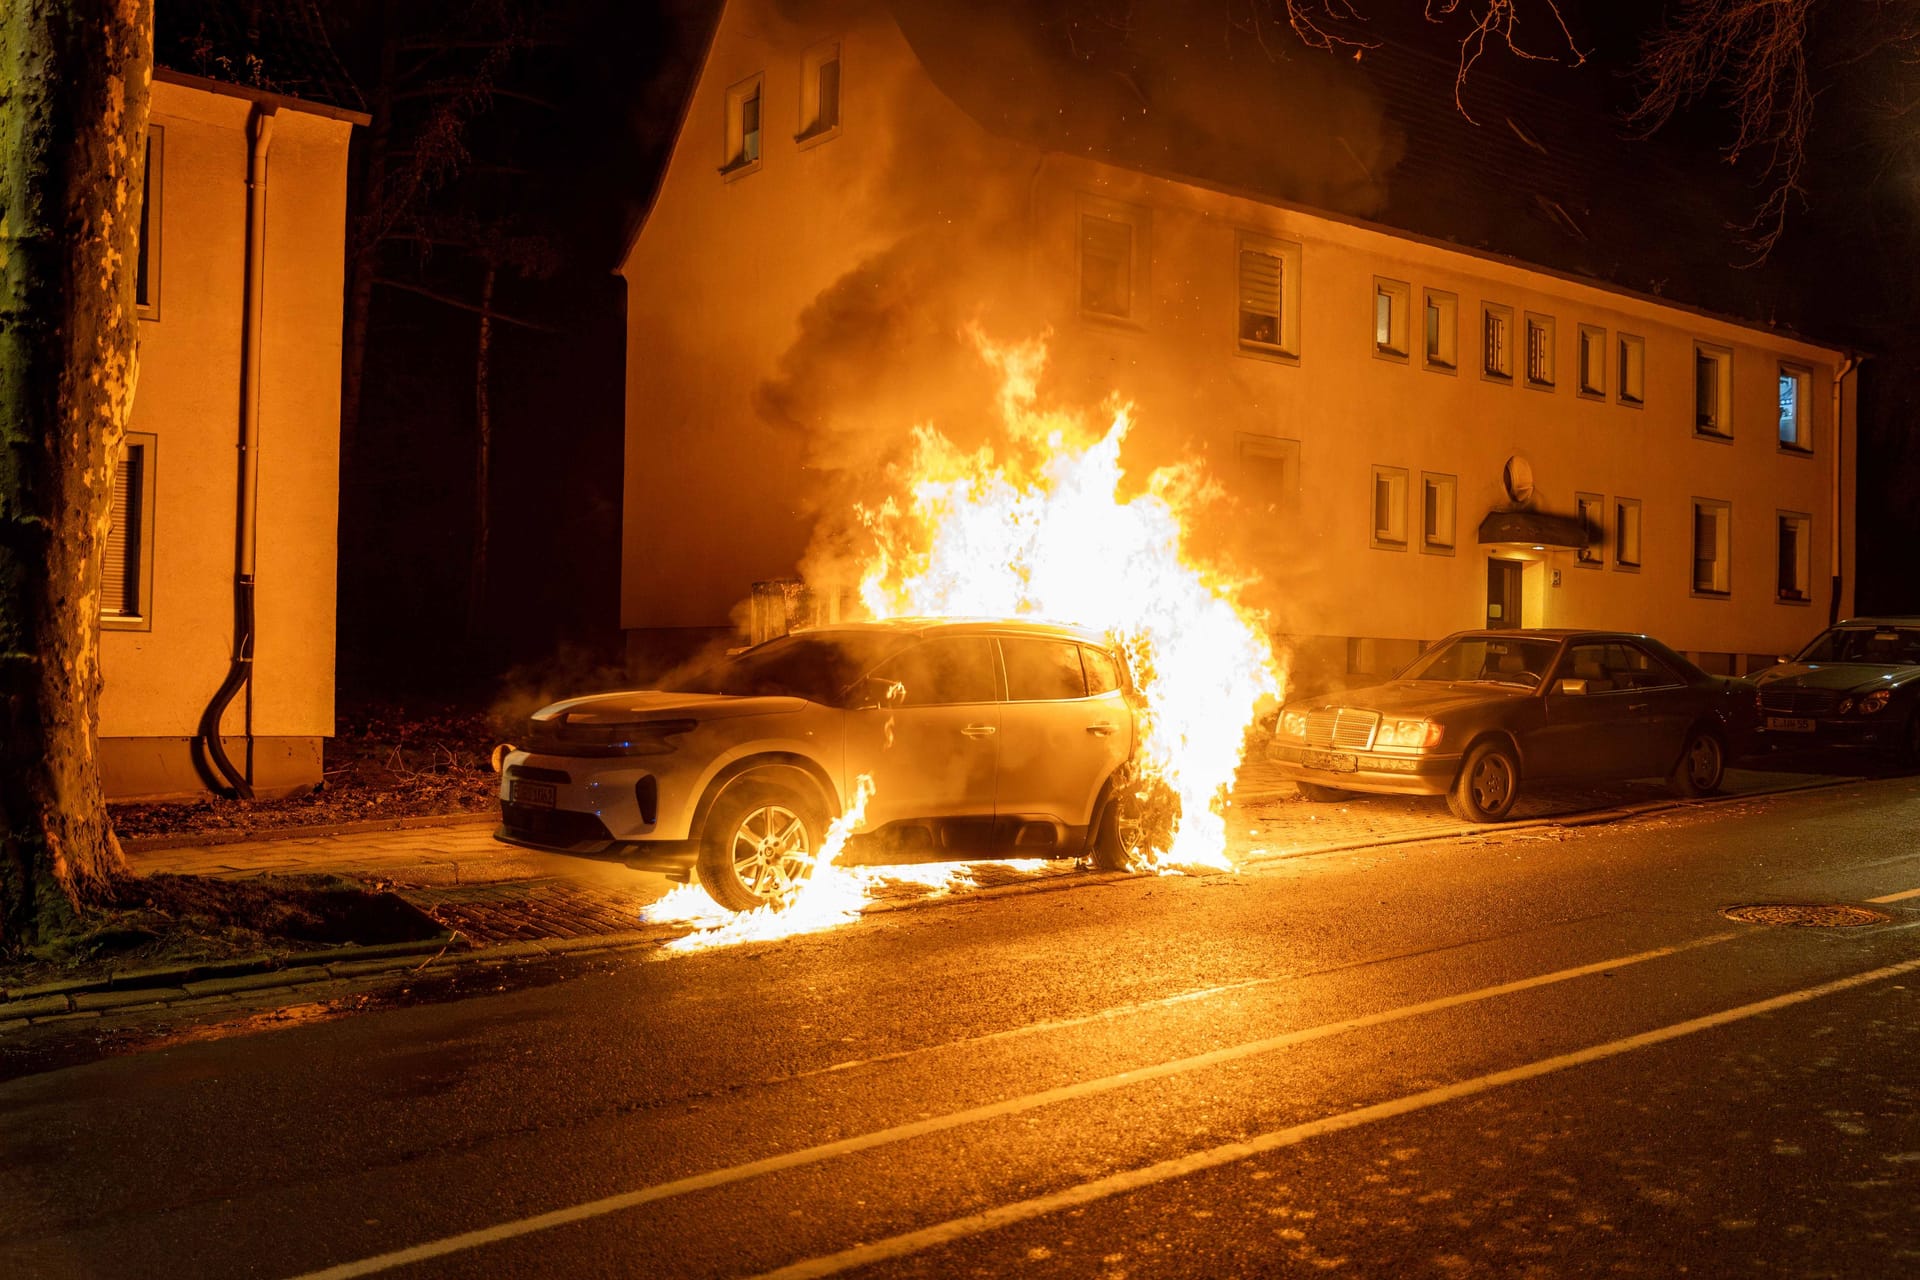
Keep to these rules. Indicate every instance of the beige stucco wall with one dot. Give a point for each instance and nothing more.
(725, 292)
(160, 677)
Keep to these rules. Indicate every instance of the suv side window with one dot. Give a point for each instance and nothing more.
(945, 670)
(1103, 673)
(1042, 670)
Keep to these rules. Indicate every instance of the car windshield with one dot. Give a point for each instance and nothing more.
(818, 667)
(1880, 646)
(1519, 661)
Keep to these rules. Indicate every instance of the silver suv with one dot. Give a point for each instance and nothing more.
(984, 739)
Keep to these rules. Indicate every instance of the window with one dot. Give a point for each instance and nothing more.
(1540, 352)
(1796, 420)
(1103, 672)
(1390, 508)
(1795, 546)
(1615, 667)
(1270, 471)
(126, 583)
(1712, 547)
(1593, 361)
(1437, 506)
(1042, 670)
(943, 671)
(1626, 534)
(819, 93)
(1268, 320)
(743, 128)
(1443, 331)
(1111, 240)
(146, 267)
(1592, 510)
(1496, 342)
(1712, 391)
(1631, 384)
(1392, 299)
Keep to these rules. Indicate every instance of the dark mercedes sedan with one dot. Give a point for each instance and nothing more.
(1856, 685)
(1481, 712)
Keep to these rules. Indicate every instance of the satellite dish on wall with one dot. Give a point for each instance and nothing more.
(1518, 478)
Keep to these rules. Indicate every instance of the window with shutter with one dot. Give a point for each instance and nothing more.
(1711, 521)
(1496, 356)
(125, 564)
(1262, 283)
(146, 262)
(1106, 266)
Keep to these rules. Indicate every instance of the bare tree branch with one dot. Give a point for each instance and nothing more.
(446, 299)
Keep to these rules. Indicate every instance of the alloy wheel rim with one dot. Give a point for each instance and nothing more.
(771, 850)
(1704, 760)
(1490, 782)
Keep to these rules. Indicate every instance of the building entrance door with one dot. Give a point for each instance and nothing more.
(1503, 593)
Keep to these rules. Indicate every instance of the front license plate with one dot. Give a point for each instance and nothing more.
(535, 795)
(1791, 724)
(1332, 761)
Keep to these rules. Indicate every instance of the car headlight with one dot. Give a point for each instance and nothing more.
(1873, 702)
(1293, 724)
(1416, 735)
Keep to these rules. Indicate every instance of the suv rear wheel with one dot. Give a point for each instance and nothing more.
(759, 846)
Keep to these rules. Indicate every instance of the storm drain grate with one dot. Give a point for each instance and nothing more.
(1807, 915)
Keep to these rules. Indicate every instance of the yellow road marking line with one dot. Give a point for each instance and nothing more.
(1232, 1152)
(974, 1115)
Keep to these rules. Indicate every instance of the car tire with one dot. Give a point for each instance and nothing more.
(1701, 766)
(1138, 818)
(759, 844)
(1109, 851)
(1488, 782)
(1315, 793)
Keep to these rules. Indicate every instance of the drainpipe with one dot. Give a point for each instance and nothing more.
(210, 755)
(1847, 366)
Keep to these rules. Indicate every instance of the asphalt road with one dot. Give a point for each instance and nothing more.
(1539, 1054)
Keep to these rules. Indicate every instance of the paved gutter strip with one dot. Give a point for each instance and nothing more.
(215, 981)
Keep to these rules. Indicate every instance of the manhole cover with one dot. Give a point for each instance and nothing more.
(1807, 915)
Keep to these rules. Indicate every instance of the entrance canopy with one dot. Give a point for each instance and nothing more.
(1535, 530)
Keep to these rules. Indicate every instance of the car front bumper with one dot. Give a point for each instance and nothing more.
(1881, 731)
(1372, 771)
(612, 810)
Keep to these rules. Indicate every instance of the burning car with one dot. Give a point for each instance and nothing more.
(1482, 710)
(982, 739)
(1855, 685)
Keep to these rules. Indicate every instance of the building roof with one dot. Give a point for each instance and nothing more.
(276, 47)
(1544, 178)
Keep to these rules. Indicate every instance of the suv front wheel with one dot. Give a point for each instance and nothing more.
(759, 846)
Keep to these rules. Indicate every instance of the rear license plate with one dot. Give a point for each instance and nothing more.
(1791, 724)
(535, 795)
(1332, 761)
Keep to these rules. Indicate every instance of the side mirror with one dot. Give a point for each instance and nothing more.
(1570, 686)
(876, 693)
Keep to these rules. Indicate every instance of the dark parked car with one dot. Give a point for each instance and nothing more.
(1481, 711)
(1856, 685)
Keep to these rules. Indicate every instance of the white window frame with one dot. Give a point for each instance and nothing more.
(1591, 375)
(813, 129)
(1722, 427)
(1398, 483)
(1447, 489)
(1803, 569)
(1621, 524)
(1591, 510)
(1398, 297)
(1496, 368)
(150, 222)
(1541, 376)
(1440, 348)
(1630, 381)
(1802, 445)
(1723, 551)
(1286, 347)
(734, 160)
(1139, 224)
(140, 570)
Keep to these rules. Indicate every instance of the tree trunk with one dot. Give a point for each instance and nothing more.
(482, 455)
(74, 79)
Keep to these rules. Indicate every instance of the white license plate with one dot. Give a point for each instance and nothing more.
(1332, 761)
(535, 795)
(1791, 724)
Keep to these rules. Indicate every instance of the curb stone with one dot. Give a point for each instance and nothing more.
(318, 831)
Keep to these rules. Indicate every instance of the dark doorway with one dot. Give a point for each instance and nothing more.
(1503, 593)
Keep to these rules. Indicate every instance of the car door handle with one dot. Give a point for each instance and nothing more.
(1100, 730)
(979, 730)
